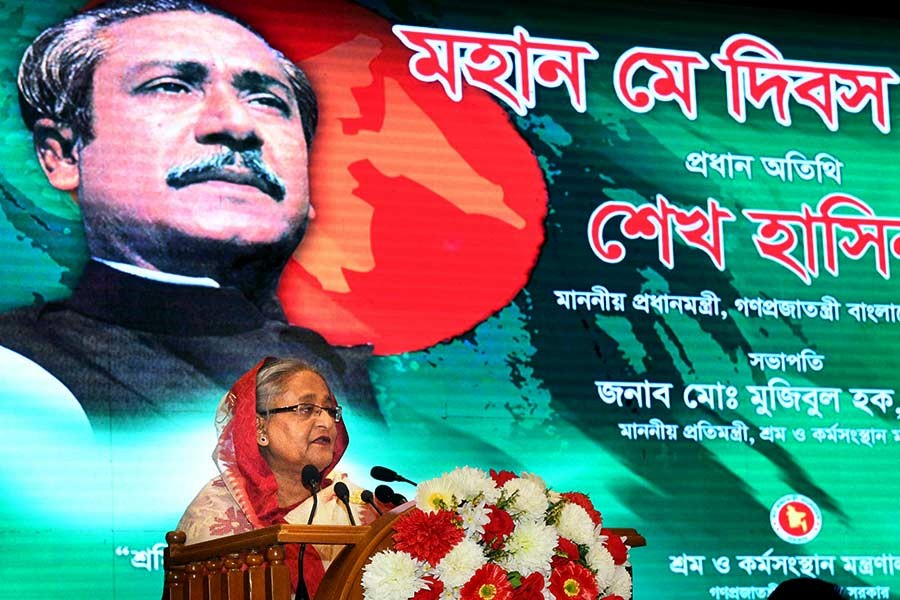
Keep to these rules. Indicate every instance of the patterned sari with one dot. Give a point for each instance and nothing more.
(243, 496)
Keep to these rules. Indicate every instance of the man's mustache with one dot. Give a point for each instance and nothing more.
(246, 168)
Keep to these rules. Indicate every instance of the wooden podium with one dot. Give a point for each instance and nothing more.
(251, 565)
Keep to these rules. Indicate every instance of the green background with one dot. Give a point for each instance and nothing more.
(517, 391)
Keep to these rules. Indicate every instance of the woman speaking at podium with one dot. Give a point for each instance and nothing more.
(276, 421)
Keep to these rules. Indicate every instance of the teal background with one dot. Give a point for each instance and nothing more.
(517, 391)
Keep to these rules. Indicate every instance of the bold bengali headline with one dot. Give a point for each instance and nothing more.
(510, 67)
(805, 242)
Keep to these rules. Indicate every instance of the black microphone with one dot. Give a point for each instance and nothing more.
(387, 495)
(343, 493)
(311, 479)
(369, 498)
(385, 474)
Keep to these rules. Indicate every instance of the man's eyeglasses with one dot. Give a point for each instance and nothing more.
(308, 411)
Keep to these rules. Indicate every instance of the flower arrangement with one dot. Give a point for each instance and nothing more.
(475, 535)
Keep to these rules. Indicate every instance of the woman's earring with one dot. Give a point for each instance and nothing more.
(261, 438)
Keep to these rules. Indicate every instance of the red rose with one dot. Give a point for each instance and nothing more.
(566, 551)
(532, 588)
(497, 528)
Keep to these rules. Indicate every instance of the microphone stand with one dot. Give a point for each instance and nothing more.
(369, 498)
(311, 480)
(301, 581)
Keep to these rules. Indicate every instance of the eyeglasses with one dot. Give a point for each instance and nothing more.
(308, 411)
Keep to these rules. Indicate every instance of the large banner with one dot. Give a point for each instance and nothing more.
(646, 251)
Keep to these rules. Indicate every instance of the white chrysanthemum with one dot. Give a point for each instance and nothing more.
(474, 518)
(575, 524)
(458, 565)
(620, 584)
(448, 594)
(471, 484)
(528, 498)
(601, 562)
(535, 478)
(530, 548)
(434, 492)
(391, 575)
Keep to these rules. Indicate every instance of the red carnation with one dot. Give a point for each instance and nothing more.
(566, 551)
(432, 592)
(573, 582)
(613, 597)
(584, 502)
(497, 528)
(532, 588)
(428, 536)
(615, 546)
(501, 477)
(488, 583)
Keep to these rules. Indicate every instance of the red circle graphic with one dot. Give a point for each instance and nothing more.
(796, 518)
(429, 212)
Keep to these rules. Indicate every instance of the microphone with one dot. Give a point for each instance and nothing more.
(311, 479)
(387, 495)
(369, 498)
(343, 493)
(385, 474)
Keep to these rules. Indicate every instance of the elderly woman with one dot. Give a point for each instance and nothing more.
(278, 418)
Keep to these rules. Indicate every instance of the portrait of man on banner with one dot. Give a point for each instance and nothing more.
(194, 202)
